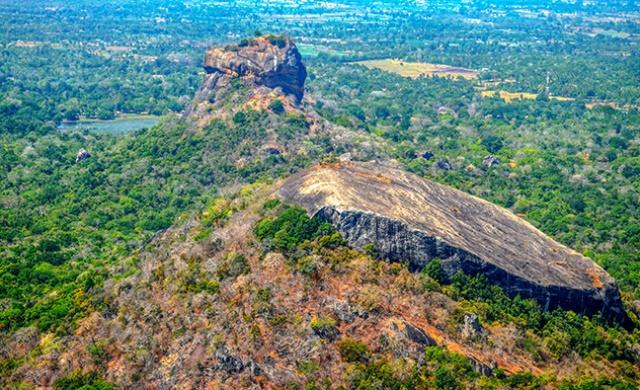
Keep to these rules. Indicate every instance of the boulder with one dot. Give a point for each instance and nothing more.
(229, 363)
(443, 165)
(413, 220)
(427, 155)
(404, 339)
(416, 335)
(254, 367)
(481, 368)
(490, 161)
(345, 312)
(471, 329)
(82, 154)
(272, 150)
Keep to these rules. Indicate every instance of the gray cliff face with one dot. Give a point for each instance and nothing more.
(273, 62)
(268, 67)
(397, 242)
(412, 220)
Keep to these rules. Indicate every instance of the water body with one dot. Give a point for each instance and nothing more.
(114, 126)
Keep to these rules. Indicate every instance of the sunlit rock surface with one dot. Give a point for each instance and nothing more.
(413, 220)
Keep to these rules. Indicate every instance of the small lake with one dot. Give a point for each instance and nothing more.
(124, 124)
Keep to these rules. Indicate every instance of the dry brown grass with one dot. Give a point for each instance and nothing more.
(417, 69)
(511, 96)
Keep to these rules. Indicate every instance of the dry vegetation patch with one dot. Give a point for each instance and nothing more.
(417, 69)
(511, 96)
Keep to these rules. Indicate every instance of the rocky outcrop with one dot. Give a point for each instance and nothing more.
(414, 221)
(404, 339)
(268, 65)
(272, 61)
(82, 154)
(471, 328)
(490, 161)
(443, 165)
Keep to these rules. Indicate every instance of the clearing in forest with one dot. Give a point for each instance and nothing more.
(511, 96)
(608, 33)
(417, 69)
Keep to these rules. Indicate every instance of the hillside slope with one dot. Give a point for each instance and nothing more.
(252, 292)
(413, 220)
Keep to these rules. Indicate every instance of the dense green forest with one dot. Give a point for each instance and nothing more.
(570, 166)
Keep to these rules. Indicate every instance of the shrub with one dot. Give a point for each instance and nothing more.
(291, 228)
(232, 265)
(297, 121)
(324, 326)
(218, 211)
(493, 143)
(524, 380)
(380, 375)
(271, 204)
(371, 250)
(201, 235)
(210, 286)
(434, 270)
(450, 365)
(445, 380)
(353, 351)
(308, 265)
(278, 40)
(332, 241)
(558, 343)
(276, 106)
(97, 351)
(308, 368)
(84, 381)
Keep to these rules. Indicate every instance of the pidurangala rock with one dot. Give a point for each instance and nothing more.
(412, 220)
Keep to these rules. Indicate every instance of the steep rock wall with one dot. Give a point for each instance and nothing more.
(396, 242)
(413, 220)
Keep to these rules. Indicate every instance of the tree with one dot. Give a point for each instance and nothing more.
(493, 143)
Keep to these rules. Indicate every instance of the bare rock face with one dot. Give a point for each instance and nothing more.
(413, 220)
(82, 154)
(271, 61)
(490, 161)
(471, 328)
(269, 66)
